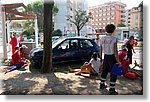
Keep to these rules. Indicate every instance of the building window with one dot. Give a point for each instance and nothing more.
(108, 18)
(112, 13)
(108, 8)
(136, 17)
(104, 14)
(108, 13)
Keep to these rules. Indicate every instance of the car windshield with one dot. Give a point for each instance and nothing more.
(56, 42)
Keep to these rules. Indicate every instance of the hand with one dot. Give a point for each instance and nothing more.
(119, 64)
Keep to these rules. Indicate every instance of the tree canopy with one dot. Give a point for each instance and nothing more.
(38, 8)
(121, 25)
(57, 32)
(79, 20)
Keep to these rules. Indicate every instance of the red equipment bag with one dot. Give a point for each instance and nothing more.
(132, 75)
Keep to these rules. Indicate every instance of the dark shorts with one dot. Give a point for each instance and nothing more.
(109, 61)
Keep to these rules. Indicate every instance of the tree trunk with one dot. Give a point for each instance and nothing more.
(47, 53)
(78, 30)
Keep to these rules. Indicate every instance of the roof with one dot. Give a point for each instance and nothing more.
(17, 14)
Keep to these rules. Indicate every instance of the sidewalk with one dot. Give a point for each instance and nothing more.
(28, 82)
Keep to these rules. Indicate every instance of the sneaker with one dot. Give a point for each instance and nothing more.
(113, 92)
(103, 86)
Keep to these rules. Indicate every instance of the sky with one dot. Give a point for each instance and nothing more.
(130, 3)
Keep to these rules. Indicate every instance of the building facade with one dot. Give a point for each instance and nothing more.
(108, 13)
(128, 18)
(68, 7)
(136, 17)
(1, 24)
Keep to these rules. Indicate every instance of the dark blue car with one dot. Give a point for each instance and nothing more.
(67, 49)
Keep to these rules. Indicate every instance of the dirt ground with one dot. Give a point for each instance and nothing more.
(61, 82)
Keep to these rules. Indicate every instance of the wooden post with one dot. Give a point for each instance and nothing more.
(36, 31)
(4, 35)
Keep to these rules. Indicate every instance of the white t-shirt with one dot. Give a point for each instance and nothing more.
(107, 43)
(95, 64)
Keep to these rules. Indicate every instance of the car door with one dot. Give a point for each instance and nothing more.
(65, 51)
(87, 48)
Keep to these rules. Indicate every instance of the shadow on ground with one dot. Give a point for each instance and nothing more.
(61, 82)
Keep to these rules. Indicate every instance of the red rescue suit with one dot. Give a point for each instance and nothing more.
(15, 58)
(123, 59)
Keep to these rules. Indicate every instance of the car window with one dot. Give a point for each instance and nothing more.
(64, 45)
(86, 43)
(74, 44)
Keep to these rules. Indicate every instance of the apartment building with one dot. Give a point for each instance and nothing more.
(107, 13)
(68, 7)
(136, 17)
(0, 24)
(128, 18)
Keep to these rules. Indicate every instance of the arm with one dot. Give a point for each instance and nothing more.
(133, 49)
(101, 49)
(116, 51)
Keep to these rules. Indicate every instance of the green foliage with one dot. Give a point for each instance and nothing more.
(121, 25)
(55, 10)
(79, 20)
(38, 8)
(28, 27)
(57, 32)
(16, 25)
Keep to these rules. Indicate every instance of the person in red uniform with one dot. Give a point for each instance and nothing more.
(125, 62)
(123, 58)
(13, 42)
(15, 57)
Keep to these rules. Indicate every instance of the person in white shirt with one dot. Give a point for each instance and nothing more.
(108, 45)
(95, 64)
(92, 67)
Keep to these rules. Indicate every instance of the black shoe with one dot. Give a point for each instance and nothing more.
(93, 74)
(113, 92)
(103, 86)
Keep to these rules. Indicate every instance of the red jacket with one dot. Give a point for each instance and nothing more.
(13, 42)
(122, 55)
(124, 62)
(15, 58)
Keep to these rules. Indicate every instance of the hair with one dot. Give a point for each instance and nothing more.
(110, 28)
(123, 46)
(21, 49)
(16, 47)
(94, 55)
(131, 37)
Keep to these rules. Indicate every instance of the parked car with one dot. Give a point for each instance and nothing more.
(55, 38)
(67, 49)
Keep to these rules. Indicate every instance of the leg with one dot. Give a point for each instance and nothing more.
(113, 77)
(104, 73)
